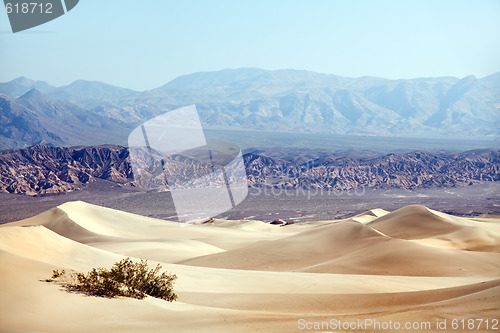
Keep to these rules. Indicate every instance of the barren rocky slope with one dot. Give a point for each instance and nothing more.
(43, 169)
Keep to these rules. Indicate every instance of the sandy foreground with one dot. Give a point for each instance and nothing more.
(413, 269)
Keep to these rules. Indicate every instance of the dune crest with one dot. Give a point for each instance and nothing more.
(370, 215)
(434, 228)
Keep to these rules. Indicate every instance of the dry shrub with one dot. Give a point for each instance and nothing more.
(125, 278)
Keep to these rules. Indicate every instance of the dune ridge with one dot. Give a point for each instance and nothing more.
(423, 224)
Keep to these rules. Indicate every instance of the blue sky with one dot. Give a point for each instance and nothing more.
(144, 44)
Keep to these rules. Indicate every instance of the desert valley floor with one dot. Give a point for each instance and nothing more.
(412, 265)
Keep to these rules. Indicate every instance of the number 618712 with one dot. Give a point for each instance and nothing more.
(28, 8)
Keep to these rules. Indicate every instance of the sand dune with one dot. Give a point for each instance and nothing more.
(58, 221)
(413, 222)
(43, 245)
(247, 276)
(88, 223)
(369, 215)
(439, 229)
(344, 304)
(351, 247)
(170, 251)
(301, 250)
(400, 257)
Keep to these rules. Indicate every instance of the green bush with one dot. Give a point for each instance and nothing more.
(125, 278)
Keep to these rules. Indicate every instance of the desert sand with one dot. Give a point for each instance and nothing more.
(414, 265)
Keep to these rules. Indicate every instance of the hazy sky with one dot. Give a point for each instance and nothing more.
(144, 44)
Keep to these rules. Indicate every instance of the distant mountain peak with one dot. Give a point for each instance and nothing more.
(86, 83)
(33, 94)
(214, 78)
(22, 80)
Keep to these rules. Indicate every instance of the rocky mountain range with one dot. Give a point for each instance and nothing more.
(250, 98)
(44, 169)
